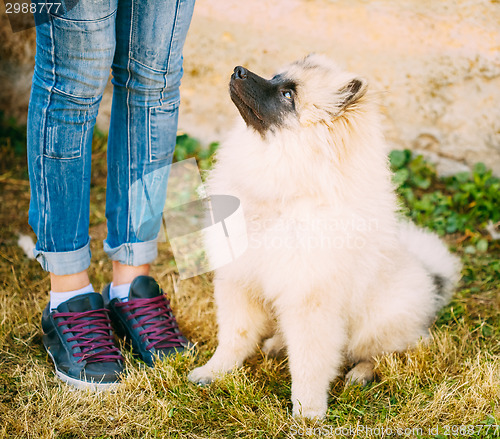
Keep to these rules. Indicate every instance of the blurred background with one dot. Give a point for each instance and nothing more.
(436, 64)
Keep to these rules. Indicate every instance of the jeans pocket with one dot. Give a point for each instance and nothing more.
(63, 142)
(162, 131)
(82, 53)
(82, 10)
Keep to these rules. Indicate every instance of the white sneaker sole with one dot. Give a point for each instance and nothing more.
(93, 386)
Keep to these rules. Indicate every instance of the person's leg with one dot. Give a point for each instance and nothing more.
(74, 53)
(73, 58)
(147, 70)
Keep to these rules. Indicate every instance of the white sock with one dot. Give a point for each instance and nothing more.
(119, 292)
(57, 298)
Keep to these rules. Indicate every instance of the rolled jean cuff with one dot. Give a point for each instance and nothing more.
(61, 263)
(133, 253)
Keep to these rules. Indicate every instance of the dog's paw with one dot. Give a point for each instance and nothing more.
(360, 375)
(309, 412)
(201, 375)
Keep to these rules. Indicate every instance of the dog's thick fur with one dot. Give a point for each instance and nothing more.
(331, 273)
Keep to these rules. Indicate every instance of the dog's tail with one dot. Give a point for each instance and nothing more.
(443, 267)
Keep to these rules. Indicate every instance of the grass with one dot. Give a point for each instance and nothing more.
(448, 387)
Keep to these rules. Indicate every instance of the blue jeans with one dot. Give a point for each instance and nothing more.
(141, 42)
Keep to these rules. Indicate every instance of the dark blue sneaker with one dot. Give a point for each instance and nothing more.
(146, 321)
(79, 339)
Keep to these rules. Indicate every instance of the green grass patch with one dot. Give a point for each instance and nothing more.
(463, 203)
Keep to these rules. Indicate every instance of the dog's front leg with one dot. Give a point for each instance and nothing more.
(314, 337)
(242, 323)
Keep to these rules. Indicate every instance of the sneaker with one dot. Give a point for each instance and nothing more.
(79, 339)
(146, 321)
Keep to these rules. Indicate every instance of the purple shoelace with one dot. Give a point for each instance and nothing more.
(161, 329)
(92, 332)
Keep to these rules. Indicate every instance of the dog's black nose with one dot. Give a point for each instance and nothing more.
(240, 72)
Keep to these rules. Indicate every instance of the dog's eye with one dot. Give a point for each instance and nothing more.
(287, 94)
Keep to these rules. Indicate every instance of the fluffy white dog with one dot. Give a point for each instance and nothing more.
(331, 272)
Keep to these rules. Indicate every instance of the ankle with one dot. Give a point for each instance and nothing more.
(68, 282)
(125, 274)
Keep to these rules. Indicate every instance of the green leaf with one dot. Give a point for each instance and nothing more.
(400, 176)
(399, 158)
(480, 168)
(179, 154)
(451, 224)
(463, 176)
(470, 249)
(482, 245)
(204, 154)
(213, 147)
(421, 182)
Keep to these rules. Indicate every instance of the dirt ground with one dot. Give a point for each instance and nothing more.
(435, 64)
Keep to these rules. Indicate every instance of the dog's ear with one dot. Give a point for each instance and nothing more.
(352, 92)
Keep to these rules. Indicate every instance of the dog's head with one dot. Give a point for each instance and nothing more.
(310, 91)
